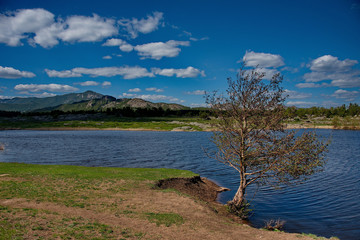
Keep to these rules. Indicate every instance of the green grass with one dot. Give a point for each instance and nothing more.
(76, 186)
(154, 123)
(90, 173)
(14, 225)
(166, 219)
(97, 189)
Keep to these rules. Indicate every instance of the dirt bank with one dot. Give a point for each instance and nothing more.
(120, 209)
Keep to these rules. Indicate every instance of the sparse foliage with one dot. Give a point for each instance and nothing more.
(250, 135)
(274, 225)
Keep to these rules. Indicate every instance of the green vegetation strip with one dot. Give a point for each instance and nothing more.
(160, 124)
(90, 173)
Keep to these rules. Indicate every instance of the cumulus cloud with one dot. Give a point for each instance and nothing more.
(339, 73)
(296, 95)
(39, 27)
(12, 73)
(344, 94)
(189, 72)
(5, 97)
(107, 57)
(268, 72)
(62, 74)
(88, 83)
(196, 92)
(43, 95)
(263, 60)
(106, 84)
(301, 103)
(134, 90)
(328, 63)
(123, 45)
(145, 25)
(126, 72)
(311, 85)
(47, 37)
(15, 26)
(154, 89)
(88, 29)
(158, 50)
(52, 87)
(152, 97)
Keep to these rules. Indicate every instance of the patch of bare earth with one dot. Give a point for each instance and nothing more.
(124, 213)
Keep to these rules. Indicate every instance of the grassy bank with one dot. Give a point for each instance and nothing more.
(70, 202)
(156, 124)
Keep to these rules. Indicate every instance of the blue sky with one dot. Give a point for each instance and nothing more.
(173, 51)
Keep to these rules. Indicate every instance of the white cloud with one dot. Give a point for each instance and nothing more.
(339, 73)
(113, 42)
(152, 97)
(106, 84)
(48, 36)
(62, 74)
(52, 87)
(263, 60)
(5, 97)
(134, 90)
(15, 25)
(39, 24)
(123, 45)
(296, 95)
(344, 94)
(158, 50)
(328, 63)
(43, 95)
(199, 39)
(107, 57)
(153, 89)
(134, 26)
(196, 92)
(199, 105)
(12, 73)
(311, 85)
(189, 72)
(126, 72)
(88, 29)
(268, 72)
(88, 83)
(301, 103)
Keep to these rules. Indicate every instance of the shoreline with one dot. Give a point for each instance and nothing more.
(134, 198)
(288, 127)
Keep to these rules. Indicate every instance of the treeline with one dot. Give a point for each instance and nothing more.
(351, 110)
(123, 112)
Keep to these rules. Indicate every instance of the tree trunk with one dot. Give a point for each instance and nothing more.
(238, 204)
(239, 197)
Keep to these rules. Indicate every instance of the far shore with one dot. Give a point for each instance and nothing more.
(289, 126)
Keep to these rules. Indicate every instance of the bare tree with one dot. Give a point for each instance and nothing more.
(250, 135)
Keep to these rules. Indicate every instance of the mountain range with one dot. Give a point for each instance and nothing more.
(85, 101)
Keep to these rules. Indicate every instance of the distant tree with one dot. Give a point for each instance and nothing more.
(250, 136)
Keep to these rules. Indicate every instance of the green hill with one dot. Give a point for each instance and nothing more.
(87, 101)
(33, 103)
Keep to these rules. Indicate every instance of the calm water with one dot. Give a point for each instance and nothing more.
(327, 205)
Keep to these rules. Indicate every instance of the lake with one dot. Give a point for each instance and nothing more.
(328, 204)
